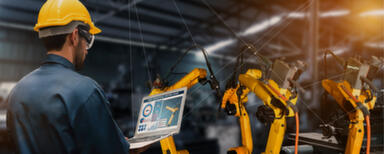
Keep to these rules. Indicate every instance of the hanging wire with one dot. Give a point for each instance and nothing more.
(185, 53)
(302, 7)
(225, 24)
(133, 111)
(249, 45)
(142, 42)
(222, 68)
(317, 116)
(185, 24)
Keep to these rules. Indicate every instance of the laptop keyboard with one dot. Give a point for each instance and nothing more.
(148, 138)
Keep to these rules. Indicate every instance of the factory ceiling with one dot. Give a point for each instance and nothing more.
(276, 28)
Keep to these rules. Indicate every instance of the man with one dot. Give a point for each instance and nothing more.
(55, 109)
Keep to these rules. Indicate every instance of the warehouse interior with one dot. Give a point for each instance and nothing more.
(147, 44)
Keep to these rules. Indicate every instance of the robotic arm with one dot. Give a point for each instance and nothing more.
(275, 109)
(355, 99)
(195, 76)
(279, 102)
(233, 103)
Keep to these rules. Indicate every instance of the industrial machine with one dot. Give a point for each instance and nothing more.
(356, 95)
(278, 90)
(197, 75)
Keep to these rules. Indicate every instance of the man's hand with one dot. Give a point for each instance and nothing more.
(139, 150)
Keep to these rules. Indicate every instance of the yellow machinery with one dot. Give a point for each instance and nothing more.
(168, 144)
(356, 99)
(173, 110)
(236, 98)
(197, 75)
(279, 102)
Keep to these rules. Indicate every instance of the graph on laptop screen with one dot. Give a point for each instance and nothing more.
(160, 112)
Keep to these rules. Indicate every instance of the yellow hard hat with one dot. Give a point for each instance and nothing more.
(62, 12)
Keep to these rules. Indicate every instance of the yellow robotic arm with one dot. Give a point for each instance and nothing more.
(268, 92)
(233, 101)
(355, 100)
(197, 75)
(276, 97)
(188, 81)
(345, 96)
(168, 144)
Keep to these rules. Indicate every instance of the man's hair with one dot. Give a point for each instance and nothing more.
(55, 42)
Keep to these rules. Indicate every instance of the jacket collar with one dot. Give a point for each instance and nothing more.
(52, 58)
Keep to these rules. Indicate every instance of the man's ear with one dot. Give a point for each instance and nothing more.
(74, 37)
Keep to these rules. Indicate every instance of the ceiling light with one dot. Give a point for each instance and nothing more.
(372, 13)
(334, 13)
(260, 26)
(375, 44)
(219, 45)
(297, 15)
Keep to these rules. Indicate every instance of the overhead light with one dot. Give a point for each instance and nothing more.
(260, 26)
(373, 13)
(211, 48)
(297, 15)
(334, 13)
(375, 44)
(341, 50)
(263, 25)
(219, 45)
(327, 14)
(255, 28)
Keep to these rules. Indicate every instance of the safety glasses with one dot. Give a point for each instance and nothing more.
(84, 32)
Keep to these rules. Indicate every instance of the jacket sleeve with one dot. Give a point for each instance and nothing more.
(94, 129)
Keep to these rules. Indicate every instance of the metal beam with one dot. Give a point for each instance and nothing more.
(120, 41)
(111, 13)
(97, 7)
(203, 6)
(114, 26)
(149, 20)
(130, 29)
(313, 49)
(168, 12)
(98, 37)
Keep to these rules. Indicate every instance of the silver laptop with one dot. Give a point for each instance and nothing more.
(159, 117)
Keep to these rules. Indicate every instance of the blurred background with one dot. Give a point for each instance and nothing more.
(142, 39)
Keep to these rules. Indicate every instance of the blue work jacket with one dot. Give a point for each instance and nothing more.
(55, 110)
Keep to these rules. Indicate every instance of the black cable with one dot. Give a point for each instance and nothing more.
(338, 59)
(178, 61)
(235, 75)
(185, 53)
(213, 81)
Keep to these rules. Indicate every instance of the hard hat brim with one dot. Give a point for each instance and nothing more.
(94, 30)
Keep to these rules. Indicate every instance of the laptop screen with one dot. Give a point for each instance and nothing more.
(161, 112)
